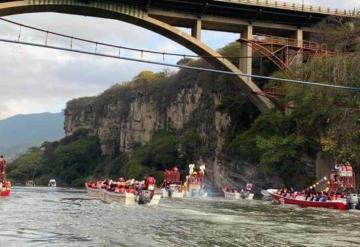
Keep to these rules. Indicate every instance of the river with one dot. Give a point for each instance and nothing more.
(68, 217)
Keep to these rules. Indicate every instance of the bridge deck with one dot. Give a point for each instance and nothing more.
(297, 7)
(271, 11)
(277, 12)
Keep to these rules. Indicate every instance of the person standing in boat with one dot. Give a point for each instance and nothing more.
(2, 168)
(150, 184)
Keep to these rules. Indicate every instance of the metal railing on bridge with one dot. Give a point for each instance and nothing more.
(291, 42)
(298, 7)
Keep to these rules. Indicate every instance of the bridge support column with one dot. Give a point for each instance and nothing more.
(196, 29)
(246, 52)
(299, 37)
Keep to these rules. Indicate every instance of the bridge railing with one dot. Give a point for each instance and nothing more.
(281, 41)
(299, 7)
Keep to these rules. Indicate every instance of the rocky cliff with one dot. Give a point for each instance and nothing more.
(127, 116)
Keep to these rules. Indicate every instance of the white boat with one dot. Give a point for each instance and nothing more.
(266, 195)
(172, 185)
(195, 181)
(30, 183)
(93, 192)
(52, 183)
(235, 195)
(126, 198)
(173, 191)
(123, 198)
(195, 190)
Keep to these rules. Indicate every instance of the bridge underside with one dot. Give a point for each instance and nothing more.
(156, 16)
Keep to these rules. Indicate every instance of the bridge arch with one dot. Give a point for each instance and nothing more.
(133, 14)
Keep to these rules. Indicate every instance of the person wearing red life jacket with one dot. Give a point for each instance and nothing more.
(150, 184)
(121, 185)
(2, 168)
(176, 174)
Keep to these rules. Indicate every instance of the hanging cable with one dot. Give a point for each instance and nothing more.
(118, 46)
(308, 83)
(19, 33)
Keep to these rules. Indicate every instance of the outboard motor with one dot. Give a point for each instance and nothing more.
(352, 201)
(358, 203)
(144, 197)
(171, 190)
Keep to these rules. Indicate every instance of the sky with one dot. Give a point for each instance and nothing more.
(36, 80)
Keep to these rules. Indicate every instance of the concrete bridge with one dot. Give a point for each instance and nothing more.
(165, 16)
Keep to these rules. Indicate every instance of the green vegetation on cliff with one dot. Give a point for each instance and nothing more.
(286, 142)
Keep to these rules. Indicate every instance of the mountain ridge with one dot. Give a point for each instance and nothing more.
(19, 132)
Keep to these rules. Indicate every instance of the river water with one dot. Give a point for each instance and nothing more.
(68, 217)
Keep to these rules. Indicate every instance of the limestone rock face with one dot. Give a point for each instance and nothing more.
(126, 117)
(122, 123)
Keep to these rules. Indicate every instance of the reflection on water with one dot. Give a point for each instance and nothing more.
(67, 217)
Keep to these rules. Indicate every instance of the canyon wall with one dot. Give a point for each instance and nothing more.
(127, 116)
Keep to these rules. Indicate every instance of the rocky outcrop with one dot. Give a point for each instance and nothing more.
(122, 123)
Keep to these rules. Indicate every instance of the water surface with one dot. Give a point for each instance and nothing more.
(68, 217)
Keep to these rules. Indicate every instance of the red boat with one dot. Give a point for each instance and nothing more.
(339, 192)
(5, 189)
(172, 185)
(340, 204)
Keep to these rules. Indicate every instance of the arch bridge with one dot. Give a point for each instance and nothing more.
(165, 16)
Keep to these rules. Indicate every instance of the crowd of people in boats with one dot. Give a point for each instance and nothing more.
(310, 195)
(172, 181)
(3, 181)
(339, 184)
(121, 185)
(247, 189)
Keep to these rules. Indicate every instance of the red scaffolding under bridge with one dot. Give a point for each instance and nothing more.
(284, 52)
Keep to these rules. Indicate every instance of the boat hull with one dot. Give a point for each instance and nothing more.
(125, 198)
(5, 193)
(237, 196)
(173, 194)
(92, 192)
(122, 198)
(339, 205)
(195, 190)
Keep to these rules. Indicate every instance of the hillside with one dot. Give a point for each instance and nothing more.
(20, 132)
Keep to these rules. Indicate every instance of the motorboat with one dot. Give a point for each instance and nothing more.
(339, 192)
(173, 191)
(172, 185)
(5, 189)
(30, 183)
(92, 190)
(340, 203)
(195, 181)
(234, 194)
(52, 183)
(124, 196)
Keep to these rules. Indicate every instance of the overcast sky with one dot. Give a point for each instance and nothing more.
(38, 80)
